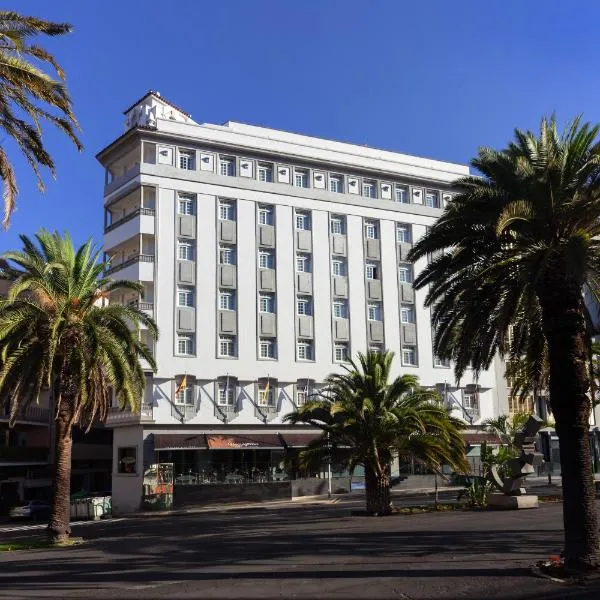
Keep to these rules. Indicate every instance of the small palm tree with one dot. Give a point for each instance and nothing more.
(514, 252)
(57, 333)
(24, 90)
(367, 420)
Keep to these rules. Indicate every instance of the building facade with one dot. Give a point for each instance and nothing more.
(267, 259)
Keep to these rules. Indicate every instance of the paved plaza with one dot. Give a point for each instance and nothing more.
(290, 550)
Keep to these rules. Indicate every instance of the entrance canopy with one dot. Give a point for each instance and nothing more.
(179, 442)
(244, 442)
(299, 440)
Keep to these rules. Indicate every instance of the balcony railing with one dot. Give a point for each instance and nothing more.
(23, 454)
(144, 414)
(139, 211)
(34, 414)
(149, 306)
(149, 258)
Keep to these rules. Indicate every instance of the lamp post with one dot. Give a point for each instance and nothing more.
(328, 468)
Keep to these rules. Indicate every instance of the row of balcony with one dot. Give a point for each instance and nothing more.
(31, 414)
(132, 260)
(117, 415)
(148, 212)
(25, 454)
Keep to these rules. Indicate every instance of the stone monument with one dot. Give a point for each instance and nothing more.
(513, 494)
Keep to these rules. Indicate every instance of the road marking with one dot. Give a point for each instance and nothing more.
(45, 525)
(153, 585)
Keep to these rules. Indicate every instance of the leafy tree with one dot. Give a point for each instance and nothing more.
(57, 333)
(367, 420)
(515, 251)
(26, 93)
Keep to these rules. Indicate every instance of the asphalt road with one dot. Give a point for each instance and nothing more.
(298, 551)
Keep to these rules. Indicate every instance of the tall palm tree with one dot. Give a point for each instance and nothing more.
(26, 93)
(515, 250)
(57, 333)
(367, 420)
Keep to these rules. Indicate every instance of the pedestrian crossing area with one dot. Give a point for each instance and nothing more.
(34, 526)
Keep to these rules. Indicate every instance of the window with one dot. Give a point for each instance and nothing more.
(185, 345)
(184, 394)
(265, 259)
(432, 199)
(404, 233)
(402, 194)
(226, 393)
(186, 159)
(266, 303)
(470, 401)
(265, 172)
(265, 215)
(266, 348)
(304, 350)
(226, 255)
(185, 296)
(340, 309)
(409, 356)
(371, 230)
(441, 362)
(407, 314)
(302, 221)
(374, 311)
(337, 224)
(336, 184)
(301, 178)
(226, 346)
(185, 250)
(226, 210)
(303, 263)
(340, 352)
(375, 348)
(186, 205)
(369, 189)
(338, 267)
(520, 405)
(371, 271)
(266, 396)
(405, 273)
(304, 305)
(301, 397)
(227, 166)
(128, 459)
(226, 300)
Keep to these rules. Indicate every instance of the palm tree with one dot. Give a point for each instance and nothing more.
(514, 252)
(57, 333)
(367, 420)
(26, 92)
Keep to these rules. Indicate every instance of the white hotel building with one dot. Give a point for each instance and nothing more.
(267, 258)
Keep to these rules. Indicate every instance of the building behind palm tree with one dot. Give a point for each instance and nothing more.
(267, 259)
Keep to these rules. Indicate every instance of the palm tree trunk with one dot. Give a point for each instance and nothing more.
(564, 327)
(377, 492)
(59, 528)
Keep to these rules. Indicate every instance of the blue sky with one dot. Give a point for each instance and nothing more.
(433, 78)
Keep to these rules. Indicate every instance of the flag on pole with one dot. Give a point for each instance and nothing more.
(266, 390)
(182, 385)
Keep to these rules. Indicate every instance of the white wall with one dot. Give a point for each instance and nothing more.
(127, 488)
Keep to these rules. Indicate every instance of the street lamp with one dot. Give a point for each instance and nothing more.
(328, 467)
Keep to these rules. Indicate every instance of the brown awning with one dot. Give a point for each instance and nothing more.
(299, 440)
(179, 442)
(479, 438)
(243, 442)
